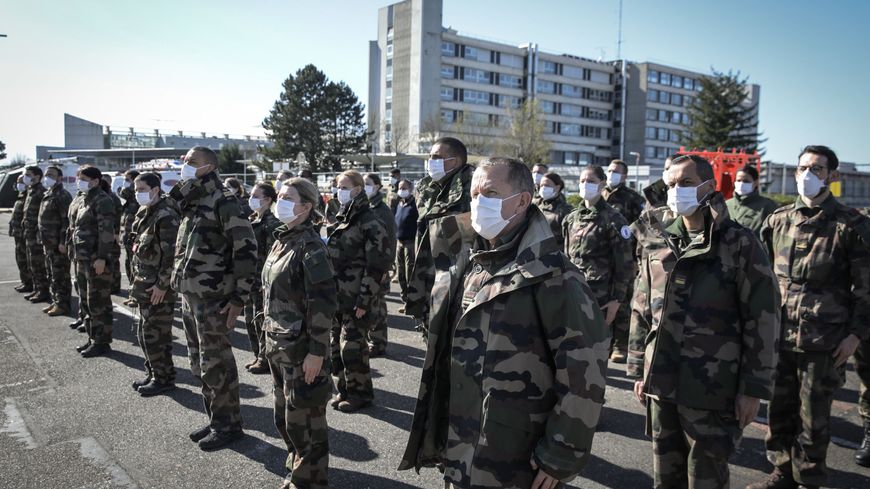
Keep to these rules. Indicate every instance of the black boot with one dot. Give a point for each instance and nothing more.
(96, 350)
(862, 455)
(139, 383)
(155, 387)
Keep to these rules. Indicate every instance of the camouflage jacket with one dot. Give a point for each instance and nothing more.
(626, 201)
(656, 194)
(216, 251)
(435, 201)
(598, 241)
(750, 211)
(299, 293)
(515, 366)
(30, 222)
(388, 220)
(357, 248)
(264, 231)
(152, 238)
(92, 227)
(128, 215)
(705, 315)
(393, 197)
(54, 216)
(821, 256)
(77, 201)
(16, 226)
(332, 208)
(555, 211)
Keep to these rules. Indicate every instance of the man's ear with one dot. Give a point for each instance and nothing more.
(834, 176)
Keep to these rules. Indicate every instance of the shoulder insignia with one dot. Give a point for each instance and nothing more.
(625, 232)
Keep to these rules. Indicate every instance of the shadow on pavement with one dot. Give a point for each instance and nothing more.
(623, 423)
(610, 475)
(356, 480)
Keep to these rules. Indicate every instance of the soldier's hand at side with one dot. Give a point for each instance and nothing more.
(846, 349)
(610, 309)
(311, 367)
(543, 480)
(746, 409)
(99, 266)
(638, 392)
(359, 312)
(157, 295)
(232, 311)
(61, 249)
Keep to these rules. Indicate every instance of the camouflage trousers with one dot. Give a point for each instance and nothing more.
(691, 447)
(350, 357)
(58, 266)
(114, 265)
(804, 383)
(155, 338)
(21, 261)
(377, 334)
(620, 325)
(404, 263)
(36, 264)
(95, 301)
(212, 360)
(862, 368)
(128, 262)
(300, 414)
(254, 323)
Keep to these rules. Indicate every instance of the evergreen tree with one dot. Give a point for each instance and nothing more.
(2, 150)
(720, 117)
(228, 159)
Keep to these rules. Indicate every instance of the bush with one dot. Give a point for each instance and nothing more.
(781, 199)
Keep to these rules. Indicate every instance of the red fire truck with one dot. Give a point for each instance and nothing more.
(726, 164)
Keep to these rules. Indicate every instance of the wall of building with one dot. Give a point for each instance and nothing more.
(82, 134)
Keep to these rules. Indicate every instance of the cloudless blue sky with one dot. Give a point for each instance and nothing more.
(218, 65)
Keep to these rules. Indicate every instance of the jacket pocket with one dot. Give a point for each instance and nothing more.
(509, 429)
(302, 395)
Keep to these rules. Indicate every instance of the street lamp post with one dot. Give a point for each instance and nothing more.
(636, 169)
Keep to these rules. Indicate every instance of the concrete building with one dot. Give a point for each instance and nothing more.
(852, 190)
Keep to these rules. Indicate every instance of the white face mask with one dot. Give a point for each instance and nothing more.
(684, 200)
(404, 194)
(285, 211)
(486, 216)
(278, 185)
(344, 196)
(394, 180)
(143, 198)
(370, 191)
(21, 187)
(27, 180)
(589, 191)
(537, 177)
(809, 185)
(232, 190)
(613, 179)
(547, 193)
(744, 188)
(188, 172)
(335, 191)
(254, 203)
(435, 167)
(83, 185)
(49, 182)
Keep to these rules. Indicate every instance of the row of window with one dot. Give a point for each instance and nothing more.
(671, 98)
(450, 94)
(668, 116)
(451, 49)
(578, 130)
(575, 158)
(675, 81)
(662, 134)
(659, 152)
(481, 76)
(573, 91)
(553, 68)
(449, 116)
(570, 110)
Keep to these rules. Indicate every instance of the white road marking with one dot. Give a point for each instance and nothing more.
(15, 425)
(98, 457)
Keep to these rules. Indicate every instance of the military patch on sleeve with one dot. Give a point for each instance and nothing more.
(625, 232)
(317, 266)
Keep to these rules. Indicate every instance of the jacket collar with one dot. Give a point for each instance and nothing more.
(376, 200)
(354, 207)
(285, 234)
(663, 223)
(549, 205)
(453, 184)
(828, 206)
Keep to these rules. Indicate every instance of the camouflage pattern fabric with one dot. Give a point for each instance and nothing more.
(332, 208)
(350, 358)
(691, 447)
(264, 231)
(626, 201)
(435, 201)
(16, 230)
(77, 202)
(114, 262)
(555, 211)
(724, 344)
(750, 211)
(515, 367)
(805, 384)
(30, 225)
(393, 197)
(155, 339)
(377, 335)
(656, 194)
(821, 256)
(598, 241)
(862, 368)
(53, 223)
(96, 301)
(128, 217)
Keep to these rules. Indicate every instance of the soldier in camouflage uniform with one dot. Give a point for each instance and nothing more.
(356, 249)
(77, 202)
(821, 255)
(514, 376)
(153, 235)
(630, 204)
(53, 222)
(377, 335)
(300, 303)
(862, 368)
(30, 224)
(115, 256)
(443, 192)
(704, 328)
(747, 207)
(598, 241)
(551, 201)
(128, 215)
(16, 230)
(393, 190)
(264, 224)
(90, 238)
(215, 260)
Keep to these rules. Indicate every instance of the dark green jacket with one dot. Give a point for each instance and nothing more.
(751, 210)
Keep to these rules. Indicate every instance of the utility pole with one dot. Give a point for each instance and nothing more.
(623, 80)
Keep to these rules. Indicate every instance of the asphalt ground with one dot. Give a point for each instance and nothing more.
(67, 422)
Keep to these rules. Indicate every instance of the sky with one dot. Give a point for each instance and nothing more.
(217, 66)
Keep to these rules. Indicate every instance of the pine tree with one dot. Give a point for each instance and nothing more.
(720, 117)
(2, 150)
(228, 159)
